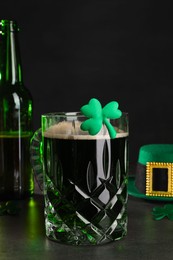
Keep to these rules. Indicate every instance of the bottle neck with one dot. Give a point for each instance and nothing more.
(10, 63)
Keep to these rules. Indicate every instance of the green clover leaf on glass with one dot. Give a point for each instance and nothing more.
(99, 116)
(161, 212)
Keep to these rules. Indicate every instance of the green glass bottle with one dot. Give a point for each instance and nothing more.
(16, 105)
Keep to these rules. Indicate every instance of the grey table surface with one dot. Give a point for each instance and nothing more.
(23, 236)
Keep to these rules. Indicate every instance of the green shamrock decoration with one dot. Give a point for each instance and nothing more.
(98, 116)
(9, 208)
(161, 212)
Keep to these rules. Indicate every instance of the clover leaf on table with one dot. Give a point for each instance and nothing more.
(99, 116)
(9, 208)
(161, 212)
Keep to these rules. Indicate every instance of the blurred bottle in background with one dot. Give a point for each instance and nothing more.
(16, 105)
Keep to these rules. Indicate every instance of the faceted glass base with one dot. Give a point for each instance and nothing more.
(85, 221)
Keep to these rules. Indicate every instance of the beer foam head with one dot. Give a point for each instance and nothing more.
(72, 130)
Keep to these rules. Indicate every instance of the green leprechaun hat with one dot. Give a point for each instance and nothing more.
(154, 173)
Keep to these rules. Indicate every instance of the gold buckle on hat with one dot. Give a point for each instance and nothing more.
(153, 169)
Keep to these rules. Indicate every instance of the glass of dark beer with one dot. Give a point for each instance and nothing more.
(84, 179)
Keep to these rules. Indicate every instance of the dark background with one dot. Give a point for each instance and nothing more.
(109, 49)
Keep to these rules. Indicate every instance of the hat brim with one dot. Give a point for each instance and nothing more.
(133, 191)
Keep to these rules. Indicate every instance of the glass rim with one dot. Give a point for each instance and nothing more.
(68, 114)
